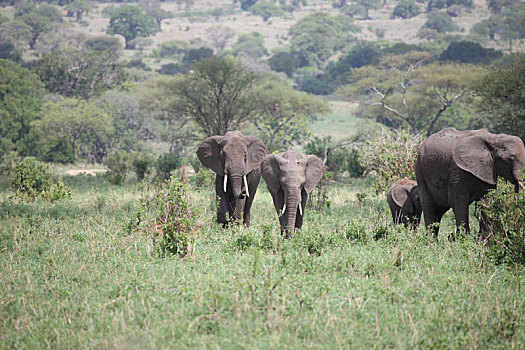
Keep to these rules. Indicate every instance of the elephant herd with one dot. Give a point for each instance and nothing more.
(453, 169)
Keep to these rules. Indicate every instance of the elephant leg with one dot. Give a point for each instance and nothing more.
(253, 183)
(278, 203)
(238, 206)
(222, 209)
(299, 217)
(433, 215)
(461, 213)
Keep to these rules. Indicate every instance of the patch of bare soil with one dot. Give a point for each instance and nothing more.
(92, 172)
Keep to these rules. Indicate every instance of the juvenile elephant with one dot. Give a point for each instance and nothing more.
(236, 159)
(291, 177)
(455, 168)
(404, 202)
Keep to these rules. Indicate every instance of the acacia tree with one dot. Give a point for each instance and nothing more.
(284, 113)
(217, 96)
(130, 22)
(79, 8)
(410, 92)
(72, 118)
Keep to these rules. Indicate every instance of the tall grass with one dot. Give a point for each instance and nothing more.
(72, 277)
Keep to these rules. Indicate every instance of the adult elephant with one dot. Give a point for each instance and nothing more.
(404, 202)
(291, 176)
(236, 159)
(455, 168)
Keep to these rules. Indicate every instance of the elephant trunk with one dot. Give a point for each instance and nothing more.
(518, 182)
(236, 184)
(293, 200)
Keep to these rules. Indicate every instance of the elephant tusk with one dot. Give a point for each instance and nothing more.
(300, 209)
(225, 185)
(284, 208)
(246, 186)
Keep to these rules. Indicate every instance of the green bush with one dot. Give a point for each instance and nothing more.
(441, 22)
(166, 163)
(170, 218)
(32, 179)
(141, 166)
(9, 163)
(205, 179)
(119, 164)
(505, 222)
(390, 156)
(406, 9)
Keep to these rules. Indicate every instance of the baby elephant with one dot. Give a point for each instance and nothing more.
(405, 205)
(291, 177)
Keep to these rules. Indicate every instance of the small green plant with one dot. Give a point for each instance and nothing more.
(9, 163)
(204, 179)
(504, 216)
(166, 163)
(141, 166)
(118, 163)
(390, 156)
(169, 217)
(32, 179)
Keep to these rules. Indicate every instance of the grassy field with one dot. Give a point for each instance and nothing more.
(73, 277)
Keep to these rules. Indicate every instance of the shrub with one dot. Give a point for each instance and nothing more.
(170, 218)
(166, 163)
(118, 163)
(406, 9)
(441, 22)
(390, 157)
(205, 179)
(9, 163)
(141, 166)
(469, 52)
(340, 159)
(505, 222)
(32, 179)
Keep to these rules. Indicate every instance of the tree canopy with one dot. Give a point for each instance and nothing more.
(130, 22)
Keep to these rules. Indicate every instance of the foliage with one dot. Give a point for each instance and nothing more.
(339, 158)
(502, 94)
(71, 118)
(503, 214)
(119, 164)
(130, 22)
(53, 149)
(266, 10)
(284, 113)
(16, 32)
(8, 164)
(204, 178)
(159, 15)
(390, 156)
(104, 43)
(469, 52)
(39, 25)
(79, 73)
(166, 163)
(406, 9)
(250, 44)
(79, 8)
(361, 8)
(32, 179)
(218, 37)
(308, 37)
(285, 62)
(440, 21)
(170, 218)
(21, 100)
(246, 4)
(406, 91)
(141, 166)
(217, 95)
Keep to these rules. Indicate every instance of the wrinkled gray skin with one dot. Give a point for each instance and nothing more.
(455, 168)
(234, 155)
(291, 177)
(404, 202)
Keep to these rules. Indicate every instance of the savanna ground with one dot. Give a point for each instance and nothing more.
(75, 276)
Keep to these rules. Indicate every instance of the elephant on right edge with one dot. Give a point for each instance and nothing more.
(455, 168)
(404, 202)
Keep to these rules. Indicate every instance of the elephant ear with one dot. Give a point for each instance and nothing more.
(400, 195)
(209, 153)
(271, 171)
(473, 154)
(257, 151)
(314, 172)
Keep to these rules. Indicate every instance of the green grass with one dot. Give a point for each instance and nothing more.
(72, 278)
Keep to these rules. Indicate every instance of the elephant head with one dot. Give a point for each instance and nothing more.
(233, 156)
(488, 156)
(291, 177)
(404, 201)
